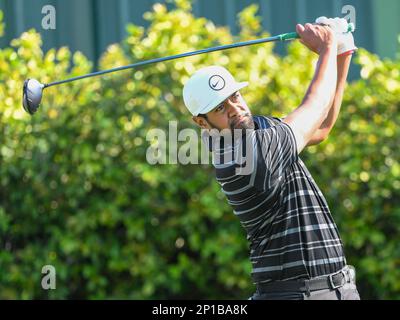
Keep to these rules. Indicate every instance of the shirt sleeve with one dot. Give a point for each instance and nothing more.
(275, 150)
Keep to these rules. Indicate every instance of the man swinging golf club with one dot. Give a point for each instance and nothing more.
(295, 248)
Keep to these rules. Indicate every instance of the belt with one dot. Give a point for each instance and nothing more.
(331, 281)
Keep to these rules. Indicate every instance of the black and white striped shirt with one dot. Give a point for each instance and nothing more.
(289, 227)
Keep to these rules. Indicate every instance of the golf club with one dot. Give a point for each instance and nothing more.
(33, 89)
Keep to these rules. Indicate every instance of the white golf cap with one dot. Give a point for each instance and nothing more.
(208, 87)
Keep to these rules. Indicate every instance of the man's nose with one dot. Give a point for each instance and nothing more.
(234, 109)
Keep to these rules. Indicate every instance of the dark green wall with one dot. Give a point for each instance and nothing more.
(91, 25)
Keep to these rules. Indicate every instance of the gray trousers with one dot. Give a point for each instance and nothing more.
(347, 292)
(342, 293)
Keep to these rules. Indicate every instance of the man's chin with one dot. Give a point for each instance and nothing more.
(246, 124)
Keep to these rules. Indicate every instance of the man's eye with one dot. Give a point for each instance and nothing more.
(219, 108)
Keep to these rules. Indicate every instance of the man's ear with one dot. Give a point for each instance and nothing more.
(201, 122)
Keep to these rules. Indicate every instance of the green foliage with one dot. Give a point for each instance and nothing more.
(1, 24)
(77, 192)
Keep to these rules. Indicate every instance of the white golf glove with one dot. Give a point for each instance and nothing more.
(345, 37)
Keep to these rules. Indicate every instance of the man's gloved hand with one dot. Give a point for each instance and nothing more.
(344, 37)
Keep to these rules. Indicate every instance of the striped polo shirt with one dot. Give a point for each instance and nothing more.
(289, 227)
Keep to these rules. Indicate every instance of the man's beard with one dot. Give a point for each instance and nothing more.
(245, 123)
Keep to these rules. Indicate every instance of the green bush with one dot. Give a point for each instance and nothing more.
(77, 192)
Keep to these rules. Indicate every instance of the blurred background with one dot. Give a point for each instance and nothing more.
(91, 25)
(77, 193)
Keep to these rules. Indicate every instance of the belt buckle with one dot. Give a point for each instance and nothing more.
(343, 282)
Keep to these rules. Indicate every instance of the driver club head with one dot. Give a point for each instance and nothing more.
(32, 95)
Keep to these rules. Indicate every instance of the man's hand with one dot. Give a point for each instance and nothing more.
(340, 27)
(346, 44)
(316, 37)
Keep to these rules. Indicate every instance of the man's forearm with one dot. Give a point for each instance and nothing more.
(343, 64)
(321, 89)
(308, 117)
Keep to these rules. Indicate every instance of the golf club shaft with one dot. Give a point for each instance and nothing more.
(281, 37)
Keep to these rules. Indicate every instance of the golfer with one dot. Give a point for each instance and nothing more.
(295, 247)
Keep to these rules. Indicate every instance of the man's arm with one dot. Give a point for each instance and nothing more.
(308, 117)
(343, 64)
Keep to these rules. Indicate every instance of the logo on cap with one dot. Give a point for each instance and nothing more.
(216, 83)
